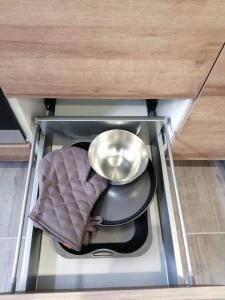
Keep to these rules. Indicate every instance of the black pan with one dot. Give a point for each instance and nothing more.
(120, 205)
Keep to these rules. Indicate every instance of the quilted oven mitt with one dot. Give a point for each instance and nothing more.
(67, 196)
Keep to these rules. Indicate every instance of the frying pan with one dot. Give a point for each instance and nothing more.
(120, 205)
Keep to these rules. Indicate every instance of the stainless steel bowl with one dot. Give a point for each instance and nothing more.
(118, 155)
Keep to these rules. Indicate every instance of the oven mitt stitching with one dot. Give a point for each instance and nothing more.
(66, 198)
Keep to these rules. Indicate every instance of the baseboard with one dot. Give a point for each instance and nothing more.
(14, 152)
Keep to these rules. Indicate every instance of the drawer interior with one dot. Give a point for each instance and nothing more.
(45, 266)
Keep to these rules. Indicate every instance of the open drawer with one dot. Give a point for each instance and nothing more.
(45, 266)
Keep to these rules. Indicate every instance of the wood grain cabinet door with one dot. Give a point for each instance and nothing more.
(203, 135)
(108, 49)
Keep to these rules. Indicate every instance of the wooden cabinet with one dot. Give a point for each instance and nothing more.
(14, 152)
(108, 49)
(203, 136)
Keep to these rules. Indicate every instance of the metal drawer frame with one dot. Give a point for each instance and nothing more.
(39, 142)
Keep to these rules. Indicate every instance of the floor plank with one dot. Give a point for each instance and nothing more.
(12, 178)
(208, 258)
(7, 251)
(202, 188)
(6, 257)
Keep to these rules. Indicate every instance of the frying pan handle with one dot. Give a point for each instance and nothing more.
(103, 253)
(78, 140)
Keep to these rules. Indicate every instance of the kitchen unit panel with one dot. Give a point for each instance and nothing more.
(108, 49)
(203, 136)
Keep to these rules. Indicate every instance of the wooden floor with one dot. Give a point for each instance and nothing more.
(202, 188)
(12, 182)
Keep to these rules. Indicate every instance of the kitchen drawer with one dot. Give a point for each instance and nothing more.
(165, 268)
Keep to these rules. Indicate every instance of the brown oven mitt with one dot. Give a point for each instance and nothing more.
(67, 196)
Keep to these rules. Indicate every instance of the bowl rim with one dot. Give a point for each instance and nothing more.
(119, 181)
